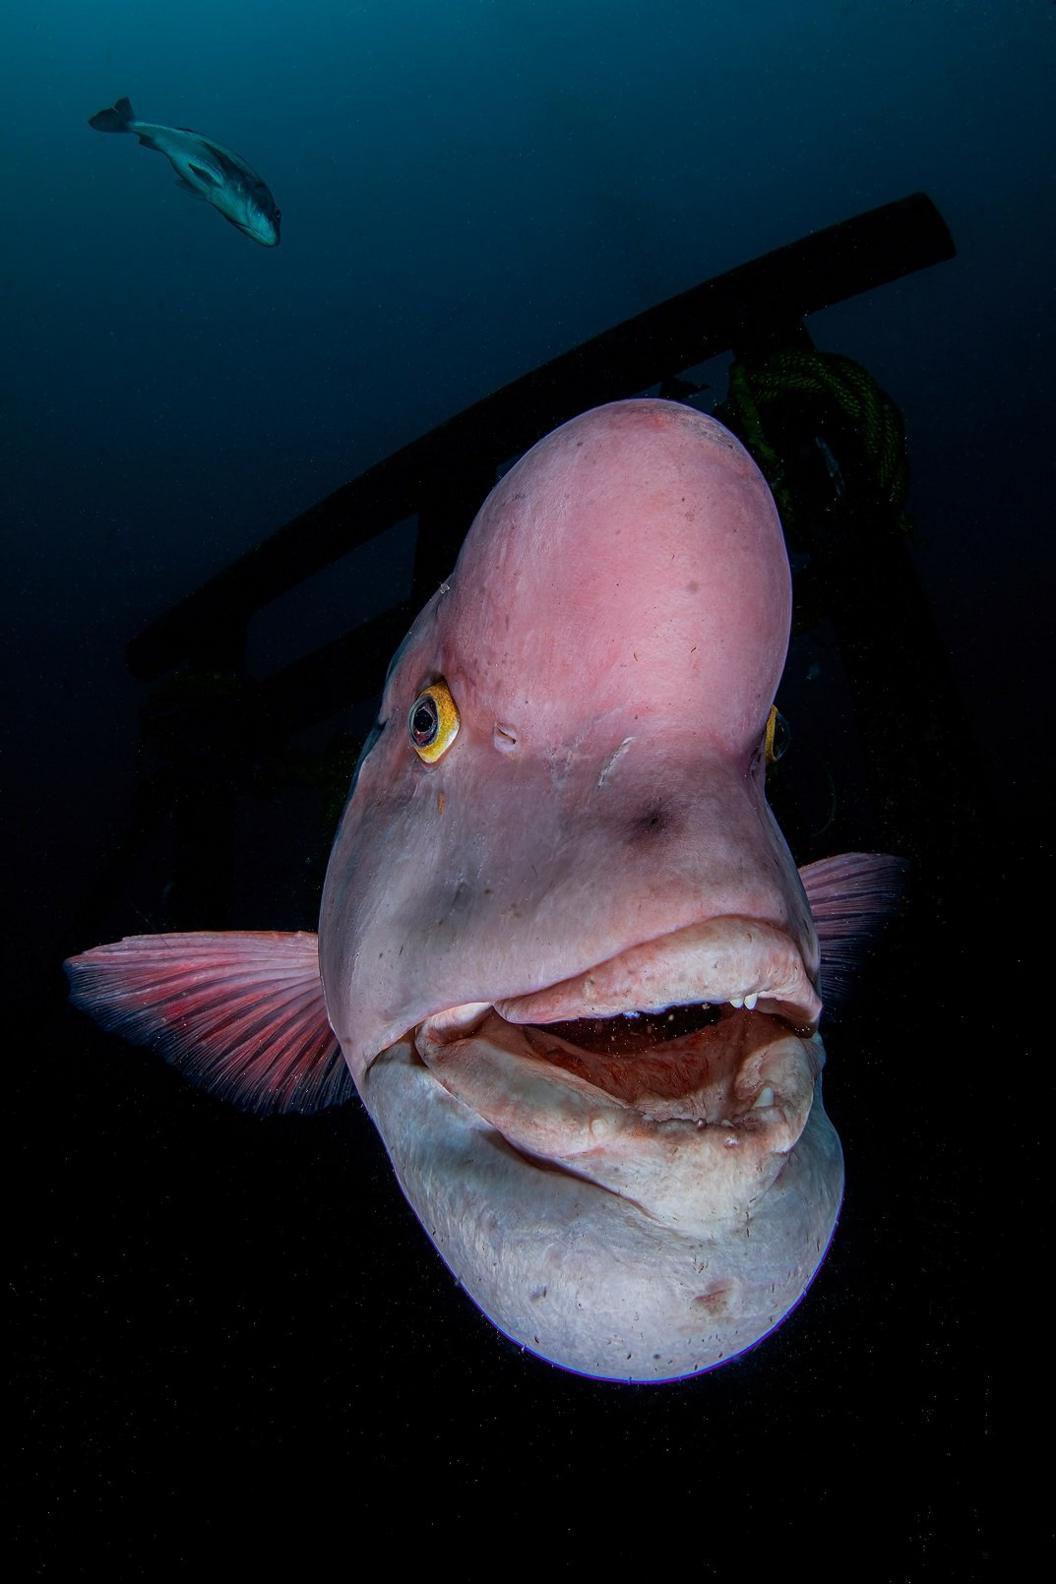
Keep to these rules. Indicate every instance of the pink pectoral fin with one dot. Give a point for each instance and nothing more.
(240, 1014)
(850, 897)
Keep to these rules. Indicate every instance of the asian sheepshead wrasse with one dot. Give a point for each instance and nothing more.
(564, 954)
(205, 170)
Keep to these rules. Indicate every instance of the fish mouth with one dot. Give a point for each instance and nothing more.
(267, 237)
(678, 1074)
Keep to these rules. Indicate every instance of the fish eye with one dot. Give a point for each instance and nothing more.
(433, 722)
(777, 736)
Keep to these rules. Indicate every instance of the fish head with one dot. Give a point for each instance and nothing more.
(563, 944)
(259, 216)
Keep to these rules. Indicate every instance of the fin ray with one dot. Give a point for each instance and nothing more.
(240, 1014)
(851, 897)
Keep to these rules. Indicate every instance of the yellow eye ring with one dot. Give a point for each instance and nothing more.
(776, 736)
(433, 722)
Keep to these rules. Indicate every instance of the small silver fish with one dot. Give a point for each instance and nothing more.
(206, 170)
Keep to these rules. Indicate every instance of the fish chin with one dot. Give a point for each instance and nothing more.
(640, 1213)
(258, 228)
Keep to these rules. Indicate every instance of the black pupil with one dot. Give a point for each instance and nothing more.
(425, 723)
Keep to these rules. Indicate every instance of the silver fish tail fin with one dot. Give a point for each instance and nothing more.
(118, 118)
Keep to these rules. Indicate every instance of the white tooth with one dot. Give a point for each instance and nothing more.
(750, 1001)
(737, 1001)
(765, 1097)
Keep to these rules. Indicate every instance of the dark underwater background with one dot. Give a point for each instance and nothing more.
(233, 1331)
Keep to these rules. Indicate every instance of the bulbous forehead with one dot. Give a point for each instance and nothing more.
(639, 548)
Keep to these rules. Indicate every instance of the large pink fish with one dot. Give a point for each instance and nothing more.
(564, 953)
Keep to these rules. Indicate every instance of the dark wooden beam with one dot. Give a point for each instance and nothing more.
(738, 309)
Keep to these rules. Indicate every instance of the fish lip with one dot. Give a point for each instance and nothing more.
(726, 958)
(725, 961)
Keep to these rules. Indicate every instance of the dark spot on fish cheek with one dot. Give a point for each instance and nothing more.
(717, 1298)
(655, 821)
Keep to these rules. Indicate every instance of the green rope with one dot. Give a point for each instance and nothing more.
(837, 382)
